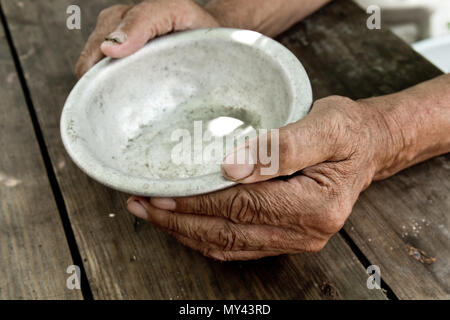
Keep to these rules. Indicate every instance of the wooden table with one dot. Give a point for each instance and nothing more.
(53, 216)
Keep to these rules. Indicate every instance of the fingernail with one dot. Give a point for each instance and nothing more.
(164, 203)
(137, 209)
(118, 37)
(233, 170)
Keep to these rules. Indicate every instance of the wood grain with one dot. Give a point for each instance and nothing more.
(34, 254)
(120, 261)
(411, 209)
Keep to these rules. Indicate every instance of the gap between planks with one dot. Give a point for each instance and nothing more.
(74, 252)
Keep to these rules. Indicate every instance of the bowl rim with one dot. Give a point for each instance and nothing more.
(296, 77)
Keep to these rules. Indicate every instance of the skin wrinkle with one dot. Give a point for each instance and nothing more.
(297, 225)
(172, 222)
(233, 236)
(188, 241)
(205, 205)
(225, 235)
(236, 202)
(255, 203)
(263, 213)
(247, 208)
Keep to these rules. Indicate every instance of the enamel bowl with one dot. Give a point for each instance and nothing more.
(158, 123)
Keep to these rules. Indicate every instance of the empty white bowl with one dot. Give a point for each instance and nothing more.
(120, 120)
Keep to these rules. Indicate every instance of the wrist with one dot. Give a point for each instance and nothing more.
(269, 17)
(397, 134)
(413, 124)
(239, 14)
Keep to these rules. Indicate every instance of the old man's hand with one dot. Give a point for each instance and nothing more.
(122, 29)
(325, 161)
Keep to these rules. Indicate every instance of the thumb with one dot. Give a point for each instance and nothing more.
(148, 20)
(281, 152)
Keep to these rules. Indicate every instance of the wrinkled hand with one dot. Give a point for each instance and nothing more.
(334, 153)
(121, 30)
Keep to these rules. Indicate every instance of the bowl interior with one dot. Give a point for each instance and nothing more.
(135, 109)
(190, 93)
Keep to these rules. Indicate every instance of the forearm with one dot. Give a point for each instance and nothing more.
(418, 124)
(270, 17)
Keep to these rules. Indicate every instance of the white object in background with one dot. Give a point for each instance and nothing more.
(437, 22)
(437, 50)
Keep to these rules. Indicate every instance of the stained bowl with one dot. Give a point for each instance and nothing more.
(125, 118)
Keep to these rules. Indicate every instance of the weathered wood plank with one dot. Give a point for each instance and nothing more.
(34, 254)
(412, 208)
(123, 263)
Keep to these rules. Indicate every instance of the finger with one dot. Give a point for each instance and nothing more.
(254, 203)
(135, 206)
(276, 202)
(151, 19)
(301, 203)
(107, 21)
(282, 152)
(224, 234)
(211, 251)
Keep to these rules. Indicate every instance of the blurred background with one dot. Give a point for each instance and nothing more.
(425, 24)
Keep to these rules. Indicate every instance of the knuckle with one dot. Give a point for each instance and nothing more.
(343, 120)
(104, 13)
(226, 237)
(334, 100)
(206, 204)
(342, 100)
(243, 206)
(332, 225)
(107, 12)
(187, 12)
(317, 245)
(119, 7)
(142, 8)
(184, 4)
(335, 217)
(172, 222)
